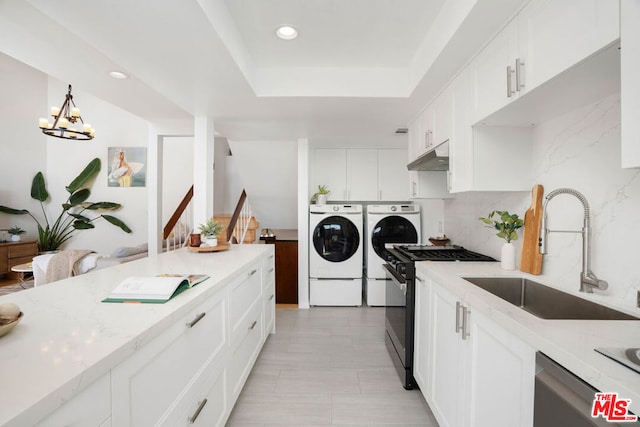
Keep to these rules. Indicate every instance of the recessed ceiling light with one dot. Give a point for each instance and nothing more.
(117, 75)
(286, 32)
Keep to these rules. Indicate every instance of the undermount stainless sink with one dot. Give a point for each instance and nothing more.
(545, 302)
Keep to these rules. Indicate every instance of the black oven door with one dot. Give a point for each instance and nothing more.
(399, 324)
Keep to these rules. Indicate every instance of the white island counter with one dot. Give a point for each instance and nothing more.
(74, 360)
(494, 354)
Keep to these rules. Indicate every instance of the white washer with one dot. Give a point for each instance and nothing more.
(385, 225)
(335, 254)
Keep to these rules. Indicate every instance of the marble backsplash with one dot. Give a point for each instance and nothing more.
(579, 150)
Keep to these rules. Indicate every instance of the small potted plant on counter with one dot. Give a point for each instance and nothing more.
(15, 233)
(209, 232)
(320, 198)
(507, 225)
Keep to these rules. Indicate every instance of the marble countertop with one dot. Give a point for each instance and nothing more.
(68, 338)
(571, 343)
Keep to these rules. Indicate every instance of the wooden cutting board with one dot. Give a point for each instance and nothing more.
(531, 259)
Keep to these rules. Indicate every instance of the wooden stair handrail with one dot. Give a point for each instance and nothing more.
(236, 215)
(176, 215)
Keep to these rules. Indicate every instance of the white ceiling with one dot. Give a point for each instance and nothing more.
(358, 70)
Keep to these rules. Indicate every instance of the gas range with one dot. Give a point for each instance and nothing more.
(399, 256)
(400, 297)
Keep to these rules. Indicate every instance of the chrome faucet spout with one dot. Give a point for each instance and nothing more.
(588, 279)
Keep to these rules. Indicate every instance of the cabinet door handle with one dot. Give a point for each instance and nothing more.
(271, 270)
(196, 320)
(419, 279)
(270, 298)
(509, 88)
(252, 273)
(519, 73)
(458, 325)
(465, 322)
(192, 419)
(270, 256)
(253, 325)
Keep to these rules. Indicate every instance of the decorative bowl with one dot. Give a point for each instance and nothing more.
(439, 241)
(5, 328)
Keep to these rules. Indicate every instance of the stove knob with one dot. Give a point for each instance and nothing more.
(394, 208)
(336, 208)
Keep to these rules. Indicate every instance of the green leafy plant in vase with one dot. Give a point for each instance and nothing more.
(15, 233)
(75, 211)
(507, 225)
(209, 232)
(320, 198)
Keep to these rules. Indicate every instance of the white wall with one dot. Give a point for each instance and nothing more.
(177, 175)
(580, 150)
(269, 173)
(24, 151)
(22, 145)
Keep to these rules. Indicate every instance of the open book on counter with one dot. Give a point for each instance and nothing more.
(153, 289)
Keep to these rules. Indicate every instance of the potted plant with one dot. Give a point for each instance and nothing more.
(74, 214)
(15, 233)
(209, 231)
(507, 226)
(320, 198)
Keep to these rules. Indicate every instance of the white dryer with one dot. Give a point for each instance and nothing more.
(336, 254)
(386, 225)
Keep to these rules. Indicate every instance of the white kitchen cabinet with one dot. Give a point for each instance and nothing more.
(176, 357)
(555, 35)
(493, 74)
(269, 294)
(428, 185)
(392, 174)
(362, 174)
(442, 117)
(448, 359)
(630, 84)
(545, 39)
(331, 170)
(422, 334)
(480, 374)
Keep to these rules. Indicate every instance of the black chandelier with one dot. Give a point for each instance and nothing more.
(64, 122)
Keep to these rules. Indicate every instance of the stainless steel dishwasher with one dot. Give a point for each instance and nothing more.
(564, 400)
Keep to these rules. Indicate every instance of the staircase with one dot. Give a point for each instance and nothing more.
(251, 234)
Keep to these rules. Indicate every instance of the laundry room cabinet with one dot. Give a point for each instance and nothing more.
(361, 174)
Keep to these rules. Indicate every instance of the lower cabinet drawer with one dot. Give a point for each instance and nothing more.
(91, 407)
(204, 404)
(245, 353)
(269, 309)
(151, 381)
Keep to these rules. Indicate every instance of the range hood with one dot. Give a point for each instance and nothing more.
(436, 159)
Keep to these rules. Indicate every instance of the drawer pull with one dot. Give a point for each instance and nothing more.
(270, 256)
(272, 295)
(271, 270)
(252, 272)
(196, 320)
(253, 325)
(192, 419)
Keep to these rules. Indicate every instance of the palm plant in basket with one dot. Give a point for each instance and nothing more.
(74, 214)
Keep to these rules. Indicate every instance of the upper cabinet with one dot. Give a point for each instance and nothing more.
(543, 41)
(362, 174)
(630, 94)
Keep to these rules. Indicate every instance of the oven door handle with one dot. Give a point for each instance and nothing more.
(395, 276)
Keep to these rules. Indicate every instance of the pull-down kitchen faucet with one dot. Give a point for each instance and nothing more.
(588, 280)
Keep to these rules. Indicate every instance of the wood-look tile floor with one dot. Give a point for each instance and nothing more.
(328, 366)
